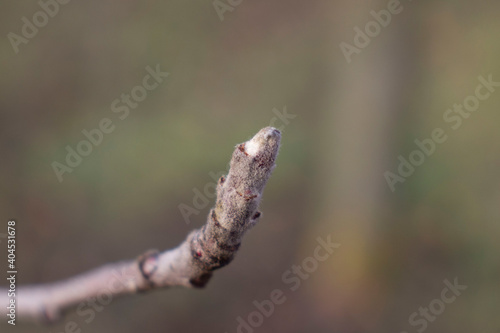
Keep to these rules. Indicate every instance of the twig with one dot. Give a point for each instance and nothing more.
(188, 265)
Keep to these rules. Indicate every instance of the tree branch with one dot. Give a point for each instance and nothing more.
(188, 265)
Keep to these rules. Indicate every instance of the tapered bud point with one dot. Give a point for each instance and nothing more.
(266, 140)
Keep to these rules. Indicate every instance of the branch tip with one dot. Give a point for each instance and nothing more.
(191, 263)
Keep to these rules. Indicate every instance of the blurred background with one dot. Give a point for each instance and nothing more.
(235, 67)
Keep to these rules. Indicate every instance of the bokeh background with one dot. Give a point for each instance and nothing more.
(351, 122)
